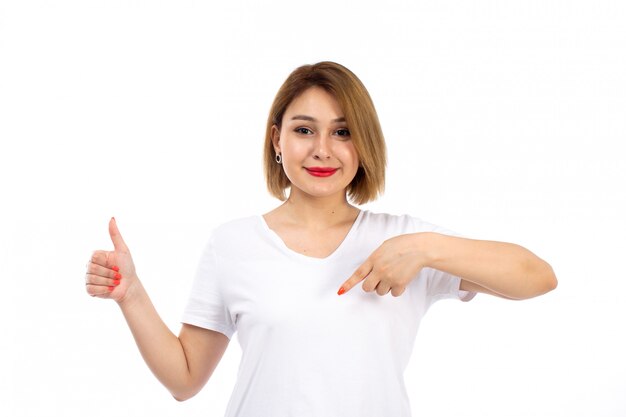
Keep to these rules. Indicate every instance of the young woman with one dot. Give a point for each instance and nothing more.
(313, 345)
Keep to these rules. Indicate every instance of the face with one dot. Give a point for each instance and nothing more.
(318, 155)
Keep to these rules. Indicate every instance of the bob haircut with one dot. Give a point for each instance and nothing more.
(361, 118)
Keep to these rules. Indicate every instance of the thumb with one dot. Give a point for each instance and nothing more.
(116, 237)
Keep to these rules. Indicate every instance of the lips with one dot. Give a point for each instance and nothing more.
(321, 171)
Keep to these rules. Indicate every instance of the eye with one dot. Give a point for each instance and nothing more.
(343, 132)
(303, 130)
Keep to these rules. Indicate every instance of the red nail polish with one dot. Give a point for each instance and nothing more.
(117, 275)
(116, 282)
(115, 268)
(111, 289)
(341, 291)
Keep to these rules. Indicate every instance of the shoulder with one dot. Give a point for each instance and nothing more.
(236, 225)
(235, 234)
(400, 223)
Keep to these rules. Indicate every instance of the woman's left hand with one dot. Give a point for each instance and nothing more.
(391, 267)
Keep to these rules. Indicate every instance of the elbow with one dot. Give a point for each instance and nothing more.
(551, 281)
(540, 279)
(180, 397)
(183, 395)
(548, 281)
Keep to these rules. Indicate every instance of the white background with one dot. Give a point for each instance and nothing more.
(503, 121)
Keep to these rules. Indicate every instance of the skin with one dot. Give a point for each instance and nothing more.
(182, 364)
(316, 216)
(313, 221)
(497, 268)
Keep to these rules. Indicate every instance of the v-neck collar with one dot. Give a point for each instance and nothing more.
(293, 254)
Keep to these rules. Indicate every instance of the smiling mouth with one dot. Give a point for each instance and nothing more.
(321, 171)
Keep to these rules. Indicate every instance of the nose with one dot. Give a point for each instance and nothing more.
(322, 147)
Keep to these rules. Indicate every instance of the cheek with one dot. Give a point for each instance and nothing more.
(290, 147)
(348, 155)
(294, 152)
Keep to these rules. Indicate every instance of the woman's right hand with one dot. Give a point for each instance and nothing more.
(111, 274)
(182, 364)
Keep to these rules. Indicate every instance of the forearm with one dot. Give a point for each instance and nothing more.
(504, 268)
(160, 348)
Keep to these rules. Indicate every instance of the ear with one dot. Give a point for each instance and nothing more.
(276, 138)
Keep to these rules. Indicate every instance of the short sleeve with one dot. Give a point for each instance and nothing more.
(205, 307)
(440, 284)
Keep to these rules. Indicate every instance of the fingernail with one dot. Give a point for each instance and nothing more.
(115, 268)
(116, 282)
(117, 275)
(111, 289)
(341, 291)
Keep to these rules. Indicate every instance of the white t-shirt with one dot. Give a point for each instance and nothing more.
(305, 350)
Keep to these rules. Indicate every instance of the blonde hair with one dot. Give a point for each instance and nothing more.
(361, 118)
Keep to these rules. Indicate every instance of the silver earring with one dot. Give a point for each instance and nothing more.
(279, 158)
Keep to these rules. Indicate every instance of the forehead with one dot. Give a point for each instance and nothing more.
(315, 102)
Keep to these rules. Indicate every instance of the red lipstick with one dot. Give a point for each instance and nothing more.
(321, 171)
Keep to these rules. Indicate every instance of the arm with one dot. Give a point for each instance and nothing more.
(497, 268)
(182, 364)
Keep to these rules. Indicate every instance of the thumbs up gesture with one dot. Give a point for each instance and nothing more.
(110, 274)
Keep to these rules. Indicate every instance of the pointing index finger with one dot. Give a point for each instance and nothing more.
(359, 275)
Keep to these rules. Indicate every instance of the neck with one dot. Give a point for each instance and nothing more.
(319, 212)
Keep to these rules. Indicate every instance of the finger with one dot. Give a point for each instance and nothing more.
(371, 282)
(397, 291)
(98, 257)
(103, 271)
(382, 288)
(116, 236)
(99, 280)
(101, 291)
(358, 276)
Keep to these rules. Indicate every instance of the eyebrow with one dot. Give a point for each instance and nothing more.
(313, 119)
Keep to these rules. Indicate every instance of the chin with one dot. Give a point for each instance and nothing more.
(318, 190)
(325, 193)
